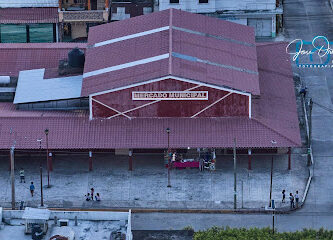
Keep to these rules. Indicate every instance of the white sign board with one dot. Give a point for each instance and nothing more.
(170, 95)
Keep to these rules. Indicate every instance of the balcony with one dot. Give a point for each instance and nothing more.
(83, 16)
(83, 11)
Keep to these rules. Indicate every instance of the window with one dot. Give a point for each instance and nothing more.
(147, 10)
(174, 1)
(13, 33)
(203, 1)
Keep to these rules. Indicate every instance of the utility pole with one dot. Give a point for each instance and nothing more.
(41, 172)
(310, 131)
(12, 168)
(235, 176)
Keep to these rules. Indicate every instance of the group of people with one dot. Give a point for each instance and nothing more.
(22, 180)
(90, 196)
(292, 198)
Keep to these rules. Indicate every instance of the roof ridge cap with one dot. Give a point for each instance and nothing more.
(263, 44)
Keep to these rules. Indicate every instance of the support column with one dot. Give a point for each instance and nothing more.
(274, 26)
(249, 160)
(27, 29)
(61, 31)
(89, 5)
(130, 160)
(289, 158)
(50, 162)
(54, 32)
(90, 161)
(10, 162)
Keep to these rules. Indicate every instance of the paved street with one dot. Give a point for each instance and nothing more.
(289, 222)
(146, 186)
(303, 20)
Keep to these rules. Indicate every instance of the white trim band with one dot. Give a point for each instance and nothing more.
(126, 65)
(140, 34)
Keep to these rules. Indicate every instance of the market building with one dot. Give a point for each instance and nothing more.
(170, 79)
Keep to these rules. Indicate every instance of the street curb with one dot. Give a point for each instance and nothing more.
(161, 210)
(310, 168)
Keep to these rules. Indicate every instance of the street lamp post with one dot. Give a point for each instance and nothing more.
(47, 157)
(41, 172)
(169, 160)
(271, 184)
(270, 192)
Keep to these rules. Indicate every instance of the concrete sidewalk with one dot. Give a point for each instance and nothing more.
(145, 186)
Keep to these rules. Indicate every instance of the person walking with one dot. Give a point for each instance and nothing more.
(22, 178)
(303, 91)
(97, 197)
(87, 197)
(296, 198)
(283, 196)
(32, 189)
(92, 193)
(201, 164)
(292, 204)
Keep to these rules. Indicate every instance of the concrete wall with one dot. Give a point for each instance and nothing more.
(218, 5)
(81, 215)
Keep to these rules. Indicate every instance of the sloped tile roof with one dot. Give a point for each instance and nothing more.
(15, 57)
(28, 15)
(80, 133)
(276, 108)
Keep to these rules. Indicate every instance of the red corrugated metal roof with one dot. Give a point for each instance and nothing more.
(205, 49)
(15, 57)
(276, 108)
(80, 133)
(274, 117)
(28, 15)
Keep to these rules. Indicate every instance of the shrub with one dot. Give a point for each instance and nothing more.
(221, 233)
